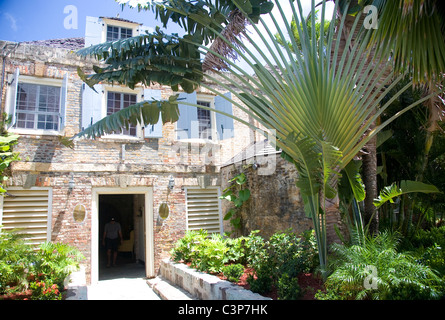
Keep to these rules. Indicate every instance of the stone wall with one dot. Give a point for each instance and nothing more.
(275, 203)
(108, 162)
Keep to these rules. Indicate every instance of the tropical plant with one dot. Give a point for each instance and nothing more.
(376, 270)
(7, 155)
(238, 194)
(15, 258)
(320, 105)
(233, 272)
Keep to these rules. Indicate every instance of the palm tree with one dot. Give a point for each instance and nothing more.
(320, 105)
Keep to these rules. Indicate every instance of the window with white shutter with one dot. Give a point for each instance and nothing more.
(203, 210)
(28, 211)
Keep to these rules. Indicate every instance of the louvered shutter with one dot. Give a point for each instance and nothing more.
(203, 211)
(28, 210)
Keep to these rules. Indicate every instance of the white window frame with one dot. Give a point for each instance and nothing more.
(119, 37)
(120, 24)
(41, 82)
(123, 90)
(210, 99)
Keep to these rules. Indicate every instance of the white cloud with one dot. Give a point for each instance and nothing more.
(12, 20)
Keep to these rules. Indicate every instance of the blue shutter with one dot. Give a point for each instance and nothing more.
(93, 31)
(224, 124)
(91, 105)
(186, 126)
(155, 130)
(12, 94)
(63, 101)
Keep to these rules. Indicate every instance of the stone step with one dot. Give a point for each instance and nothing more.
(167, 291)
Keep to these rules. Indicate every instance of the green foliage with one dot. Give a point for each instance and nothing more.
(233, 271)
(406, 186)
(15, 259)
(238, 194)
(43, 269)
(184, 246)
(288, 288)
(56, 261)
(376, 270)
(7, 155)
(284, 253)
(210, 254)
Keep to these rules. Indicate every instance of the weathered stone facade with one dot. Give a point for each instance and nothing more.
(113, 163)
(275, 203)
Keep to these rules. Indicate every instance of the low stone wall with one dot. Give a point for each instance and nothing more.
(202, 285)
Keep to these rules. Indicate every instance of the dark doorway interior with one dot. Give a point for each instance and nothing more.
(122, 208)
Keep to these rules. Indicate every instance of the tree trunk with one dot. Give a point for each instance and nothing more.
(369, 177)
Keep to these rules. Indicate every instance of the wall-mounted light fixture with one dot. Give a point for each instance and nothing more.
(71, 183)
(171, 183)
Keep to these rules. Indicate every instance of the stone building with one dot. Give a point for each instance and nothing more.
(66, 194)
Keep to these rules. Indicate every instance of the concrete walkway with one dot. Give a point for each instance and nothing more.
(123, 283)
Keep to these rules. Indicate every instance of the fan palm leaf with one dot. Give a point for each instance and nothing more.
(319, 104)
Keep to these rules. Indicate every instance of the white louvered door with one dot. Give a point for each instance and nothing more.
(203, 210)
(29, 211)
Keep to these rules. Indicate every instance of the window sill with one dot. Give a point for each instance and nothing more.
(201, 141)
(34, 132)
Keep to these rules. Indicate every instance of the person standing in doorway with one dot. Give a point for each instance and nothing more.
(111, 237)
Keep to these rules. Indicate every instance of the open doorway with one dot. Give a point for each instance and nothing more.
(128, 211)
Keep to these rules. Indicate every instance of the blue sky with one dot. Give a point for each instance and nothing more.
(30, 20)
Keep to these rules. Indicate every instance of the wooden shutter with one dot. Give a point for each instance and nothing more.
(203, 210)
(28, 210)
(63, 101)
(187, 124)
(12, 95)
(153, 131)
(91, 105)
(93, 31)
(224, 124)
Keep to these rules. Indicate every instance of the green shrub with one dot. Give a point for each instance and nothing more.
(377, 271)
(41, 269)
(261, 284)
(233, 272)
(288, 288)
(16, 257)
(184, 247)
(209, 254)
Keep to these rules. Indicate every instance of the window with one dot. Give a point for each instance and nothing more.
(117, 101)
(197, 123)
(204, 121)
(116, 33)
(38, 106)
